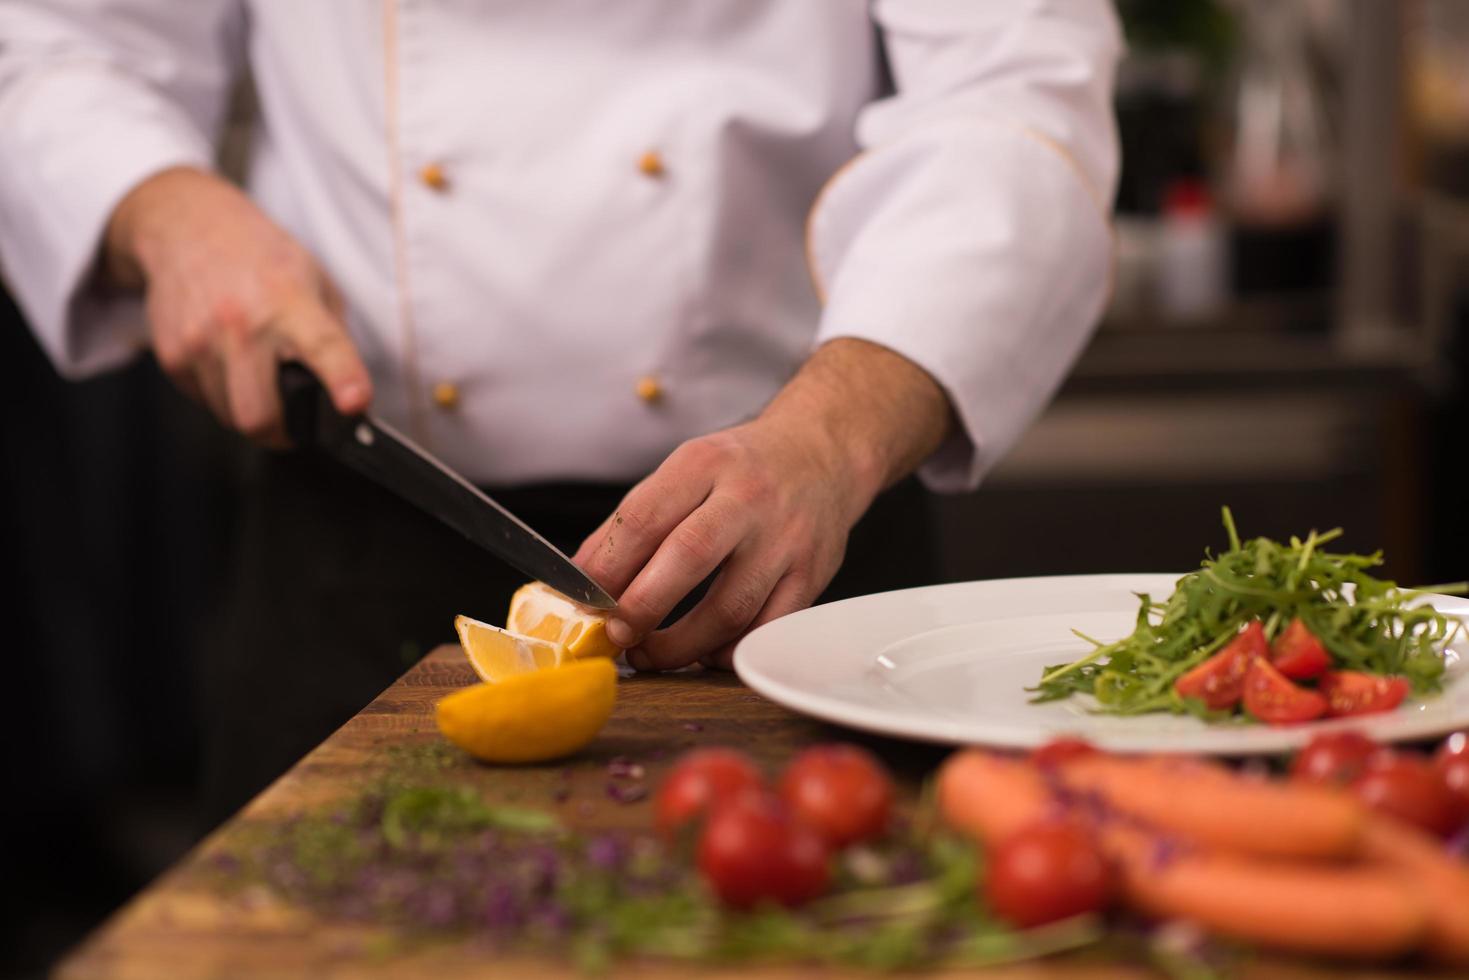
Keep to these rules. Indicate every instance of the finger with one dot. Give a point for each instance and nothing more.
(250, 376)
(616, 552)
(690, 553)
(321, 340)
(721, 617)
(209, 378)
(791, 594)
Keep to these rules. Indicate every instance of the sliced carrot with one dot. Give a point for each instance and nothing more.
(992, 796)
(1348, 911)
(1207, 804)
(1442, 879)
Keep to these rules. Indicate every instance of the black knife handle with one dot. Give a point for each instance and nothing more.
(302, 398)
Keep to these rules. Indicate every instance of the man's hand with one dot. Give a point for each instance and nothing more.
(229, 296)
(769, 504)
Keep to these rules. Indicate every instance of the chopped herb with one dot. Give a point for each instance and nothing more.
(427, 861)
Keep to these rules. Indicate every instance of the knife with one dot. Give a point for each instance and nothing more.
(381, 453)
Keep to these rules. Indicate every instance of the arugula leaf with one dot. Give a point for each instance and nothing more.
(1365, 623)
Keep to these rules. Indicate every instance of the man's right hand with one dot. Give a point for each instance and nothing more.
(229, 296)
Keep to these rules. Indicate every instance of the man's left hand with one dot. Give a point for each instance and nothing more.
(767, 504)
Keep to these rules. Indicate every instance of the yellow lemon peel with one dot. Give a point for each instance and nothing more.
(531, 717)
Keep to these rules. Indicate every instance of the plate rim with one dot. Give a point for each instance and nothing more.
(847, 714)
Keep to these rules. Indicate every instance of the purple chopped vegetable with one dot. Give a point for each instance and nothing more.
(626, 794)
(622, 767)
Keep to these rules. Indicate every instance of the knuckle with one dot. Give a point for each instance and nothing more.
(227, 313)
(697, 542)
(639, 610)
(632, 519)
(735, 611)
(193, 340)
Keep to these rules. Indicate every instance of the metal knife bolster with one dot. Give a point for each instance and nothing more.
(386, 456)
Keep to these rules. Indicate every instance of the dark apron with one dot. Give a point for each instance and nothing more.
(339, 587)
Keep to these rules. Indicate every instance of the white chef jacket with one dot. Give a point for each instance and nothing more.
(573, 234)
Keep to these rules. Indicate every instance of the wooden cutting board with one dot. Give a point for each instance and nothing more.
(182, 926)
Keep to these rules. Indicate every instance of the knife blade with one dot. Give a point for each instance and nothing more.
(381, 453)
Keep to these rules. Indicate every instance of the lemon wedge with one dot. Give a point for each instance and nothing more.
(534, 716)
(540, 611)
(497, 654)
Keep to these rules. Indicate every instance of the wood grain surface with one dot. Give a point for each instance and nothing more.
(185, 926)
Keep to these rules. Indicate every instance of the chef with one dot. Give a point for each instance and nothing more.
(698, 277)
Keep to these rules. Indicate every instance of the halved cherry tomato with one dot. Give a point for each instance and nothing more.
(1049, 871)
(1333, 757)
(1352, 692)
(698, 780)
(754, 850)
(841, 791)
(1406, 787)
(1277, 700)
(1059, 751)
(1298, 654)
(1219, 681)
(1452, 763)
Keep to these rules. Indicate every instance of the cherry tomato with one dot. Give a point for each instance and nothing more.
(1409, 789)
(841, 791)
(1059, 751)
(1452, 763)
(1333, 757)
(1220, 680)
(1048, 871)
(1352, 692)
(698, 780)
(1277, 700)
(753, 850)
(1298, 654)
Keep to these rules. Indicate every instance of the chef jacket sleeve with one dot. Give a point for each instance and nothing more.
(96, 96)
(971, 235)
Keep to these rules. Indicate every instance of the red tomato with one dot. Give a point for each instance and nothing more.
(753, 850)
(841, 791)
(1219, 681)
(1275, 699)
(1351, 692)
(700, 779)
(1048, 871)
(1333, 757)
(1298, 654)
(1409, 789)
(1059, 751)
(1452, 764)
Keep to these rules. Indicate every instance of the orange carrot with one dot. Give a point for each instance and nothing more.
(991, 796)
(1442, 880)
(1207, 804)
(1343, 910)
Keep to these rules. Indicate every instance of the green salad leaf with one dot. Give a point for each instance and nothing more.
(1366, 624)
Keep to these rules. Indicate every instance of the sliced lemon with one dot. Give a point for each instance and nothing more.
(497, 654)
(531, 717)
(540, 611)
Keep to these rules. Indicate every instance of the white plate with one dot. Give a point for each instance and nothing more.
(950, 663)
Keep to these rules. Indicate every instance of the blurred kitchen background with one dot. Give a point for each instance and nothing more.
(1287, 336)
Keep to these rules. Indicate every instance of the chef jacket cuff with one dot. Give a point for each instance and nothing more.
(57, 195)
(981, 254)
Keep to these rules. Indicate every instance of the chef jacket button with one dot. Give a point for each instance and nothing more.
(649, 390)
(446, 395)
(434, 177)
(650, 164)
